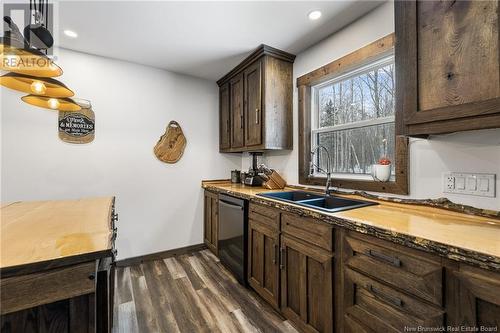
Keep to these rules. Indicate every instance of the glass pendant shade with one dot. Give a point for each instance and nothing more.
(61, 104)
(35, 85)
(26, 61)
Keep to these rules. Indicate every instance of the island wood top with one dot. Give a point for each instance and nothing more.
(48, 234)
(452, 234)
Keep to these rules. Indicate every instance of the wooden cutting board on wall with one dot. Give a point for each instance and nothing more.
(170, 147)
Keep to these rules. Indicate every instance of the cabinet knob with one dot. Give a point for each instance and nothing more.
(92, 276)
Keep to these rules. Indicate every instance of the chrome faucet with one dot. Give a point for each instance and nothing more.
(328, 170)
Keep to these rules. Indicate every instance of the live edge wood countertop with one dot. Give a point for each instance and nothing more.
(474, 240)
(39, 235)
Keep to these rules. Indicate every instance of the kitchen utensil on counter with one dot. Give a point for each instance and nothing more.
(253, 178)
(235, 176)
(275, 181)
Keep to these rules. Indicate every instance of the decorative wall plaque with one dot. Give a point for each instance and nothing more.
(170, 147)
(77, 127)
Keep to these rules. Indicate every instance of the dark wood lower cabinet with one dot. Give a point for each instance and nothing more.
(473, 298)
(381, 308)
(211, 221)
(313, 273)
(263, 261)
(306, 285)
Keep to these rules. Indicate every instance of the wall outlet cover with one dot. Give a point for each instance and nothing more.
(480, 184)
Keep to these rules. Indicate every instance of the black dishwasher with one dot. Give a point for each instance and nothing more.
(233, 239)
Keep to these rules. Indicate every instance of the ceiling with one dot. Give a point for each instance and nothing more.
(202, 39)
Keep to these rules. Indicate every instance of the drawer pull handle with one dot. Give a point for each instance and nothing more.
(383, 257)
(384, 297)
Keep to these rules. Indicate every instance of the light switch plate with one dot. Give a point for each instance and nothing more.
(480, 184)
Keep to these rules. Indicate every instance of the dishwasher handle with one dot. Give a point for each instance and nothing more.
(230, 204)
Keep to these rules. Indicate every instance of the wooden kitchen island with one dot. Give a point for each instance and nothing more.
(56, 272)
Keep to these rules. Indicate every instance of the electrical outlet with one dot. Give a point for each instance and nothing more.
(449, 182)
(480, 184)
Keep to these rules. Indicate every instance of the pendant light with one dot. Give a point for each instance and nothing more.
(47, 87)
(53, 103)
(31, 70)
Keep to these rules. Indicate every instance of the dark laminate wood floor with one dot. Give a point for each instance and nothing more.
(189, 293)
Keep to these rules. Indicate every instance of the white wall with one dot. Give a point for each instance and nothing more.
(160, 205)
(477, 151)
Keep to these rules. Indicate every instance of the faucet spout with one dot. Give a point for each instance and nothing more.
(328, 170)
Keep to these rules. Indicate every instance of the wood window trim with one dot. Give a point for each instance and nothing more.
(306, 82)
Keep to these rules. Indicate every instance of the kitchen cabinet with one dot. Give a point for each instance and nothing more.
(224, 116)
(306, 285)
(334, 277)
(263, 253)
(236, 111)
(260, 102)
(447, 65)
(473, 297)
(381, 308)
(211, 221)
(253, 98)
(398, 267)
(387, 287)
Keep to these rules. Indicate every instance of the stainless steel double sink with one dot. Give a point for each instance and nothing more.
(329, 204)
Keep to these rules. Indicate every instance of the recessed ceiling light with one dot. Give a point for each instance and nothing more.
(73, 34)
(314, 15)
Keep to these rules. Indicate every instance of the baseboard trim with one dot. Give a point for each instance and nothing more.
(160, 255)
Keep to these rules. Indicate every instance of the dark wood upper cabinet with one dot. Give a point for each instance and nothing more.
(224, 117)
(253, 104)
(236, 111)
(447, 65)
(260, 102)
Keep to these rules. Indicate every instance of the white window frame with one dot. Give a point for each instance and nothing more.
(315, 129)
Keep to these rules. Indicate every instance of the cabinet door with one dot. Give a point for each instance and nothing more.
(448, 80)
(211, 221)
(253, 105)
(263, 266)
(236, 102)
(224, 116)
(306, 285)
(473, 298)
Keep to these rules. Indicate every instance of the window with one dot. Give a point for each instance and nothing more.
(353, 117)
(352, 107)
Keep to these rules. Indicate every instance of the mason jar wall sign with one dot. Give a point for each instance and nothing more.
(77, 126)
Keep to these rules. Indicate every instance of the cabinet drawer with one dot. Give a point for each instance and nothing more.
(264, 215)
(27, 291)
(308, 229)
(385, 309)
(400, 267)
